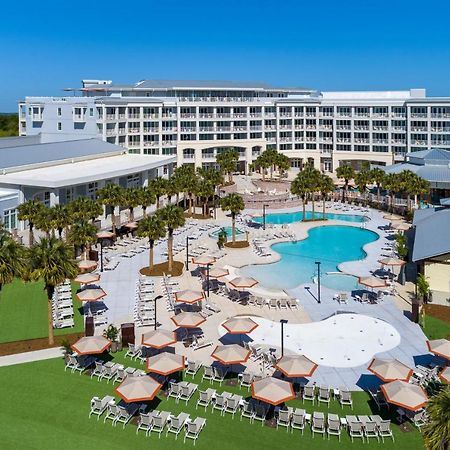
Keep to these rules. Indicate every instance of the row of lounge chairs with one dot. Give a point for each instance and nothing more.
(62, 306)
(144, 308)
(273, 303)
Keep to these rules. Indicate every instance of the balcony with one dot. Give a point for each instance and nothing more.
(169, 129)
(326, 114)
(361, 127)
(37, 117)
(164, 116)
(399, 128)
(440, 129)
(187, 115)
(122, 131)
(419, 142)
(418, 115)
(135, 144)
(170, 143)
(271, 139)
(419, 129)
(326, 127)
(110, 117)
(79, 117)
(134, 130)
(151, 143)
(151, 116)
(285, 139)
(206, 116)
(110, 132)
(362, 114)
(398, 115)
(344, 114)
(223, 115)
(440, 115)
(151, 130)
(374, 114)
(311, 127)
(310, 139)
(362, 140)
(326, 139)
(344, 140)
(398, 141)
(285, 127)
(253, 115)
(380, 128)
(188, 156)
(380, 141)
(239, 115)
(134, 116)
(269, 114)
(344, 127)
(286, 114)
(187, 129)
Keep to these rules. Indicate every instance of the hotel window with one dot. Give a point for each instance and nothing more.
(10, 219)
(91, 112)
(133, 180)
(59, 112)
(59, 126)
(92, 190)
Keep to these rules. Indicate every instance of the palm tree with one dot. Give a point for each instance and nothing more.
(43, 221)
(84, 208)
(300, 188)
(393, 184)
(345, 172)
(190, 187)
(173, 218)
(60, 218)
(110, 196)
(151, 227)
(12, 258)
(313, 176)
(28, 211)
(235, 204)
(271, 156)
(172, 188)
(436, 432)
(158, 186)
(263, 163)
(146, 198)
(326, 186)
(212, 177)
(131, 199)
(421, 187)
(227, 161)
(362, 179)
(283, 163)
(52, 261)
(82, 234)
(204, 192)
(378, 176)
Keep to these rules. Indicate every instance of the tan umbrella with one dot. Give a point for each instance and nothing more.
(372, 282)
(87, 278)
(188, 319)
(440, 347)
(189, 296)
(131, 225)
(406, 395)
(165, 363)
(203, 260)
(91, 294)
(445, 375)
(231, 354)
(389, 261)
(87, 264)
(392, 217)
(240, 325)
(296, 366)
(158, 338)
(273, 391)
(105, 235)
(400, 226)
(217, 272)
(138, 389)
(243, 282)
(389, 370)
(91, 345)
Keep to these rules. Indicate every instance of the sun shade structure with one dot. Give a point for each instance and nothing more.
(218, 272)
(406, 395)
(87, 278)
(131, 225)
(273, 391)
(87, 264)
(188, 296)
(158, 338)
(445, 375)
(372, 282)
(389, 261)
(440, 347)
(389, 370)
(392, 217)
(243, 282)
(91, 294)
(138, 389)
(188, 319)
(165, 363)
(240, 325)
(91, 345)
(296, 366)
(204, 260)
(400, 226)
(231, 354)
(105, 235)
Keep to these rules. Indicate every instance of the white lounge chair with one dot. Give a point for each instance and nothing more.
(205, 398)
(99, 406)
(193, 429)
(384, 430)
(232, 404)
(177, 424)
(124, 415)
(298, 420)
(159, 422)
(193, 367)
(187, 391)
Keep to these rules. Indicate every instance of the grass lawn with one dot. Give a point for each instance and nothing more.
(23, 312)
(51, 411)
(435, 328)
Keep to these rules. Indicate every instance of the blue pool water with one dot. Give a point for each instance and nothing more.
(330, 245)
(228, 231)
(283, 218)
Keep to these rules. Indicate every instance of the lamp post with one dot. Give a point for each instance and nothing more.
(318, 281)
(282, 321)
(264, 216)
(155, 300)
(101, 255)
(207, 279)
(187, 252)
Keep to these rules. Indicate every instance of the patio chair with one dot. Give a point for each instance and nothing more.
(73, 364)
(283, 303)
(309, 394)
(124, 415)
(145, 423)
(378, 398)
(133, 351)
(292, 303)
(298, 420)
(205, 398)
(273, 303)
(99, 406)
(174, 389)
(345, 397)
(232, 404)
(260, 302)
(245, 379)
(219, 374)
(120, 374)
(193, 429)
(419, 419)
(112, 413)
(371, 431)
(193, 367)
(208, 373)
(187, 391)
(220, 402)
(333, 426)
(248, 411)
(109, 372)
(177, 424)
(318, 424)
(384, 430)
(98, 370)
(356, 430)
(257, 353)
(324, 395)
(260, 413)
(159, 422)
(284, 418)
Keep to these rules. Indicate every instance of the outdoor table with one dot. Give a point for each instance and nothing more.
(108, 364)
(130, 370)
(343, 421)
(336, 393)
(308, 417)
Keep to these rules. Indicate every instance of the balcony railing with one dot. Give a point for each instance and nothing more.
(79, 118)
(151, 130)
(441, 129)
(416, 115)
(151, 143)
(398, 141)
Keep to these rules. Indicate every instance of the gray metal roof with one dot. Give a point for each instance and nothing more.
(430, 156)
(426, 245)
(15, 141)
(432, 173)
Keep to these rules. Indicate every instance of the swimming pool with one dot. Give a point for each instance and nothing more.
(297, 216)
(228, 230)
(330, 245)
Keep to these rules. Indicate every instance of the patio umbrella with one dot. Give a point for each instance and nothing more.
(440, 347)
(403, 394)
(138, 389)
(231, 354)
(91, 294)
(131, 225)
(389, 370)
(87, 278)
(445, 375)
(392, 217)
(243, 282)
(296, 366)
(91, 345)
(272, 390)
(158, 338)
(189, 296)
(87, 264)
(203, 260)
(217, 272)
(240, 325)
(165, 363)
(105, 235)
(390, 261)
(188, 319)
(372, 282)
(400, 226)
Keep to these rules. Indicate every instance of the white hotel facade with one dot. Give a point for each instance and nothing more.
(195, 120)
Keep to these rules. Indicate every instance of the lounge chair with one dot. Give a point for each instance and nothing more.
(98, 370)
(419, 419)
(324, 395)
(145, 422)
(298, 420)
(284, 418)
(187, 391)
(219, 374)
(378, 398)
(283, 303)
(318, 424)
(248, 411)
(273, 303)
(309, 393)
(232, 404)
(193, 367)
(200, 342)
(133, 351)
(73, 364)
(246, 379)
(177, 424)
(384, 430)
(174, 389)
(356, 430)
(193, 429)
(112, 413)
(371, 430)
(220, 402)
(120, 374)
(124, 415)
(205, 398)
(109, 372)
(159, 422)
(292, 303)
(99, 406)
(260, 413)
(208, 373)
(333, 426)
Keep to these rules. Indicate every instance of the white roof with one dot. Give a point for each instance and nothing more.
(81, 172)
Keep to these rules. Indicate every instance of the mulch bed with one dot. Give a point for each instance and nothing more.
(159, 269)
(237, 244)
(196, 216)
(231, 382)
(271, 423)
(441, 312)
(11, 348)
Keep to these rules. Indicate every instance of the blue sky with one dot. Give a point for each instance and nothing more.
(326, 45)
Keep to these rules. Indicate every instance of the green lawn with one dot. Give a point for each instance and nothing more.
(435, 328)
(51, 411)
(23, 312)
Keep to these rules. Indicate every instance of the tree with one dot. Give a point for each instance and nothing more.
(326, 186)
(420, 188)
(158, 186)
(401, 245)
(173, 218)
(300, 188)
(190, 187)
(84, 208)
(423, 286)
(347, 173)
(152, 228)
(378, 176)
(227, 161)
(436, 432)
(213, 178)
(12, 258)
(82, 234)
(130, 200)
(205, 190)
(235, 204)
(283, 163)
(362, 179)
(43, 221)
(146, 198)
(263, 162)
(60, 218)
(313, 178)
(111, 196)
(52, 261)
(172, 188)
(393, 184)
(29, 211)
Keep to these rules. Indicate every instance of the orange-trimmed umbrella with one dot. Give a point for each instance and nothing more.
(87, 278)
(389, 261)
(406, 395)
(390, 370)
(138, 389)
(273, 391)
(240, 325)
(392, 217)
(372, 282)
(218, 272)
(189, 296)
(231, 354)
(440, 347)
(91, 345)
(165, 363)
(91, 294)
(159, 338)
(187, 319)
(243, 282)
(445, 375)
(131, 225)
(87, 264)
(400, 226)
(203, 260)
(105, 235)
(296, 366)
